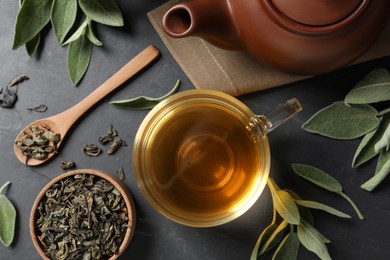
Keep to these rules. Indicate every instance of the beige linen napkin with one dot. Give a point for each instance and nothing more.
(234, 72)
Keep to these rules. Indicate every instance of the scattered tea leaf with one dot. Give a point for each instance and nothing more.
(284, 203)
(340, 121)
(373, 88)
(381, 172)
(66, 165)
(79, 56)
(312, 240)
(325, 181)
(102, 11)
(8, 97)
(317, 205)
(7, 218)
(116, 144)
(111, 133)
(40, 108)
(288, 248)
(121, 173)
(18, 80)
(384, 142)
(91, 150)
(142, 102)
(63, 16)
(32, 17)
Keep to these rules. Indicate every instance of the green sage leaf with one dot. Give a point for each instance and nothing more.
(63, 16)
(340, 121)
(79, 56)
(317, 177)
(366, 149)
(142, 102)
(384, 142)
(91, 35)
(373, 88)
(102, 11)
(326, 208)
(284, 204)
(275, 238)
(288, 248)
(312, 240)
(304, 212)
(33, 44)
(381, 172)
(78, 33)
(32, 17)
(7, 218)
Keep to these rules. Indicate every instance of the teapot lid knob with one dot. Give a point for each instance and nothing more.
(316, 12)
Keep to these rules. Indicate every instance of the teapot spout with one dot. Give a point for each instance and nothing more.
(210, 20)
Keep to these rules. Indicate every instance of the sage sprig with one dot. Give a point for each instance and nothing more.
(35, 15)
(292, 224)
(143, 102)
(325, 181)
(356, 117)
(7, 218)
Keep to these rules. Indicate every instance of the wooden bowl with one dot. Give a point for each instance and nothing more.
(34, 232)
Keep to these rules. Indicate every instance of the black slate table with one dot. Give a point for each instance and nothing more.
(155, 236)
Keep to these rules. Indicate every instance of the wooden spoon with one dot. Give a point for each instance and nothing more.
(62, 122)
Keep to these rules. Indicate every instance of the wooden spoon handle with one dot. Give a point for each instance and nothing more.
(144, 58)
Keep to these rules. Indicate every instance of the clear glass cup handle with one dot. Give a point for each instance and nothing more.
(278, 115)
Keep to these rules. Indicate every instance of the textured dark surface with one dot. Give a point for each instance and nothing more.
(155, 236)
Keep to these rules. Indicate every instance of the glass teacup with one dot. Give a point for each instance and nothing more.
(202, 157)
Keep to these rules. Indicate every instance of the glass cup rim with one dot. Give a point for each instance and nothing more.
(139, 147)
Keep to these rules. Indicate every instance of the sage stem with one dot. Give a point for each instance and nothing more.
(359, 213)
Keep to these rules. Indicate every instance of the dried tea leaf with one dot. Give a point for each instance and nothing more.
(312, 240)
(32, 17)
(121, 173)
(317, 205)
(373, 88)
(91, 150)
(63, 16)
(66, 165)
(366, 149)
(340, 121)
(7, 218)
(117, 143)
(142, 102)
(79, 57)
(18, 80)
(381, 172)
(323, 180)
(40, 108)
(284, 204)
(8, 97)
(384, 142)
(102, 11)
(288, 248)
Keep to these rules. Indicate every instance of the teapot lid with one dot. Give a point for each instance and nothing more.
(316, 12)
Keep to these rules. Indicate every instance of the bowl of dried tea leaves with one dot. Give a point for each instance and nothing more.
(82, 214)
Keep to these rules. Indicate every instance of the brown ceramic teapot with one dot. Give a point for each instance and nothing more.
(302, 37)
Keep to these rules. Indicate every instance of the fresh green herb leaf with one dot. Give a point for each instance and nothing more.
(304, 212)
(91, 35)
(288, 248)
(284, 203)
(102, 11)
(7, 218)
(373, 88)
(79, 56)
(317, 205)
(384, 142)
(32, 17)
(312, 240)
(63, 16)
(78, 33)
(317, 177)
(340, 121)
(142, 102)
(323, 180)
(33, 44)
(381, 172)
(274, 239)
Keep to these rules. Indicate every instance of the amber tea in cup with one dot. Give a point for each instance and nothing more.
(201, 157)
